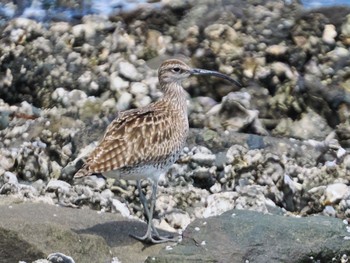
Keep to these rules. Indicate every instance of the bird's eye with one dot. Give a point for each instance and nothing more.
(176, 70)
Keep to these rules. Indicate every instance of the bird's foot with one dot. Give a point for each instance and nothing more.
(155, 239)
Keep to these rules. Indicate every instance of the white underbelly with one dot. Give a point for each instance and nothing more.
(149, 172)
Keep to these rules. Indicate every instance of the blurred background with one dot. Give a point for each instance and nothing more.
(66, 9)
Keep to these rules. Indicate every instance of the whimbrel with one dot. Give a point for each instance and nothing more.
(143, 143)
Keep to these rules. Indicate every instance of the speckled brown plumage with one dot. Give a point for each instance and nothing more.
(143, 143)
(138, 137)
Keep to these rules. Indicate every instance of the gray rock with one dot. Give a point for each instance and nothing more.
(30, 231)
(59, 258)
(220, 35)
(129, 71)
(117, 83)
(124, 101)
(14, 248)
(233, 113)
(345, 28)
(4, 119)
(206, 159)
(246, 236)
(58, 185)
(310, 126)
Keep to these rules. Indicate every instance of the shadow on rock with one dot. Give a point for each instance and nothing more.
(118, 233)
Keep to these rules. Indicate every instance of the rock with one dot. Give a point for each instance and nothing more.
(329, 34)
(30, 231)
(96, 183)
(219, 203)
(345, 29)
(83, 31)
(335, 192)
(310, 126)
(276, 50)
(10, 178)
(59, 257)
(117, 83)
(58, 185)
(178, 220)
(203, 158)
(124, 101)
(239, 236)
(282, 70)
(121, 208)
(203, 177)
(86, 82)
(138, 88)
(7, 161)
(224, 40)
(16, 249)
(234, 114)
(4, 119)
(69, 98)
(338, 52)
(129, 71)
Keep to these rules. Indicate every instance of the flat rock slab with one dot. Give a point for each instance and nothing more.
(30, 231)
(247, 236)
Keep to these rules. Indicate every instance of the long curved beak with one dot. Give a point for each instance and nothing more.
(198, 71)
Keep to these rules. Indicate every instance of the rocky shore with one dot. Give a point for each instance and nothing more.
(278, 147)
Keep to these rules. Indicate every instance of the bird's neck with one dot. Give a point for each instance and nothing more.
(175, 95)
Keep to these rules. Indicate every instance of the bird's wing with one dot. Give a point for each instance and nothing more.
(133, 138)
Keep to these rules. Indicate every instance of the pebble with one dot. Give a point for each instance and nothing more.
(203, 158)
(7, 162)
(117, 83)
(168, 248)
(329, 34)
(4, 119)
(60, 185)
(178, 220)
(96, 183)
(129, 71)
(55, 170)
(120, 207)
(10, 178)
(345, 28)
(60, 257)
(138, 88)
(84, 31)
(338, 52)
(124, 101)
(335, 192)
(219, 203)
(276, 50)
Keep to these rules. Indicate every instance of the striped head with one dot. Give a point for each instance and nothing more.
(175, 71)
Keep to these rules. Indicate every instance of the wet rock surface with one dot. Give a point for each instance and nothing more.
(281, 141)
(32, 231)
(35, 230)
(248, 236)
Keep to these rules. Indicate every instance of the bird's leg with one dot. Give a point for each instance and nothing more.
(143, 201)
(152, 235)
(146, 211)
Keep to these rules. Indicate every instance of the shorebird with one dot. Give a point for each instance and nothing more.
(143, 143)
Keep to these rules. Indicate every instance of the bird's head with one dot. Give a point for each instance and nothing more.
(175, 71)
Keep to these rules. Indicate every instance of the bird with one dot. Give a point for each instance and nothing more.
(143, 143)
